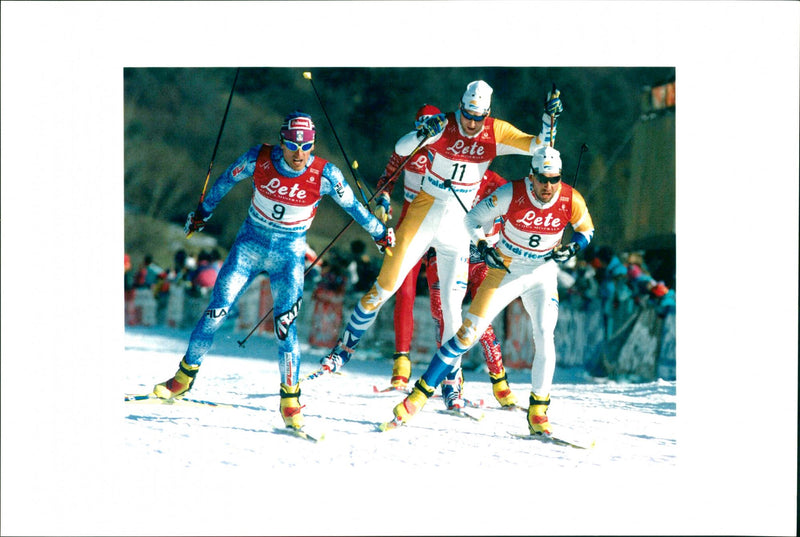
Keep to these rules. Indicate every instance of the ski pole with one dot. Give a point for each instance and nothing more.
(449, 184)
(307, 76)
(552, 120)
(584, 148)
(345, 228)
(216, 145)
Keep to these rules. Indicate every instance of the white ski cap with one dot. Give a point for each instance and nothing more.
(478, 98)
(546, 160)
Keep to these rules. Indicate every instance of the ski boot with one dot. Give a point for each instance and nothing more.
(537, 415)
(401, 370)
(502, 391)
(335, 359)
(291, 411)
(451, 391)
(177, 386)
(414, 402)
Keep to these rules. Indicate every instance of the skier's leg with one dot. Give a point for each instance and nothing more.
(432, 274)
(541, 303)
(404, 327)
(413, 238)
(236, 273)
(494, 294)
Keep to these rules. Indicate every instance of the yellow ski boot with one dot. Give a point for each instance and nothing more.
(291, 411)
(501, 389)
(178, 385)
(414, 402)
(401, 370)
(537, 415)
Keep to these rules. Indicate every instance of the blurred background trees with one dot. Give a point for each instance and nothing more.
(172, 117)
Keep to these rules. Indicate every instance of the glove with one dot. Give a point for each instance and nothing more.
(431, 127)
(552, 105)
(562, 253)
(196, 220)
(490, 256)
(383, 210)
(386, 241)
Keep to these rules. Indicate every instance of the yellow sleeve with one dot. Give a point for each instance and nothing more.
(581, 220)
(512, 141)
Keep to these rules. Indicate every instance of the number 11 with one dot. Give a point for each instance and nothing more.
(455, 172)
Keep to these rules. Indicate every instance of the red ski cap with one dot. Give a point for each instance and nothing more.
(427, 111)
(298, 127)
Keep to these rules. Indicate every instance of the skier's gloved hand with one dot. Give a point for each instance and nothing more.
(431, 127)
(561, 254)
(383, 210)
(553, 105)
(386, 241)
(490, 256)
(196, 220)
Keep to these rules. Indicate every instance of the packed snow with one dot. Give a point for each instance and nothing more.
(92, 464)
(471, 473)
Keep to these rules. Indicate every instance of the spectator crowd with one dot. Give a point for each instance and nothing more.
(619, 284)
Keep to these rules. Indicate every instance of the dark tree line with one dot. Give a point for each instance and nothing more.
(173, 115)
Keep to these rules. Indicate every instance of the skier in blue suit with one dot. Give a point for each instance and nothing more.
(288, 183)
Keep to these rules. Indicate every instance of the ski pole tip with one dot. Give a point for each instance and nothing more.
(307, 75)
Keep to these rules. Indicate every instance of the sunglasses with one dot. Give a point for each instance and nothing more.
(552, 180)
(478, 119)
(293, 146)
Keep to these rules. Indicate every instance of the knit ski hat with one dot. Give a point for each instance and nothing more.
(478, 98)
(298, 127)
(546, 159)
(427, 111)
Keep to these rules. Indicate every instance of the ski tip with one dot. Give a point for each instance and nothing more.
(511, 408)
(388, 389)
(303, 434)
(139, 396)
(315, 374)
(547, 438)
(389, 425)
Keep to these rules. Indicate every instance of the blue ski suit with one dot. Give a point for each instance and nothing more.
(272, 239)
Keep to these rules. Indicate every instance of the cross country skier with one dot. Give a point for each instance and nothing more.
(460, 147)
(535, 212)
(413, 173)
(288, 183)
(477, 272)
